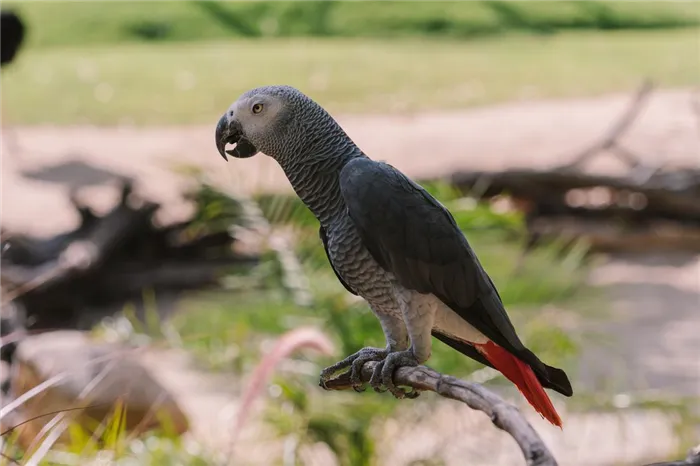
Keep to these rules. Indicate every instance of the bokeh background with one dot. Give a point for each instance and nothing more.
(206, 264)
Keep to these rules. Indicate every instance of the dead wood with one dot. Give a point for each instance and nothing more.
(610, 140)
(606, 236)
(669, 195)
(110, 260)
(648, 208)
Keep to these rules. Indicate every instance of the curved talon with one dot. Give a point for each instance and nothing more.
(356, 374)
(376, 381)
(392, 362)
(355, 363)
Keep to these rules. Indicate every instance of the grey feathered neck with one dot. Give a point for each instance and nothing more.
(312, 149)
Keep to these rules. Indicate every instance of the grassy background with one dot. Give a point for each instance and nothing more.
(180, 62)
(191, 83)
(78, 23)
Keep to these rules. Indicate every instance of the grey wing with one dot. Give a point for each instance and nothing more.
(413, 236)
(324, 240)
(410, 234)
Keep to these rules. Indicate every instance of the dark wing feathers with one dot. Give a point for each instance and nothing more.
(411, 234)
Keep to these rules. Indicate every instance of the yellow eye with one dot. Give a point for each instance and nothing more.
(257, 108)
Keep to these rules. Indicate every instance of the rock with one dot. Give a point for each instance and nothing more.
(93, 376)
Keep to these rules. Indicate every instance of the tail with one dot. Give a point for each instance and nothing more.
(523, 377)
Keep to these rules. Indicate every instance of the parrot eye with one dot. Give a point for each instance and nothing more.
(257, 108)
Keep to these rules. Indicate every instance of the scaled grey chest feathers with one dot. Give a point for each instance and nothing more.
(355, 267)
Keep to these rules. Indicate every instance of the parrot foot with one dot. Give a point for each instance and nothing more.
(355, 363)
(384, 373)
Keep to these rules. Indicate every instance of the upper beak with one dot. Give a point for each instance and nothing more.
(229, 131)
(225, 133)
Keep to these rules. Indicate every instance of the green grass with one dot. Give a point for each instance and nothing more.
(194, 83)
(80, 23)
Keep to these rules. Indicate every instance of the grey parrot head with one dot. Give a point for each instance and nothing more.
(271, 119)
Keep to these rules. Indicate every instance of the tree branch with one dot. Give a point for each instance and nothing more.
(621, 126)
(503, 415)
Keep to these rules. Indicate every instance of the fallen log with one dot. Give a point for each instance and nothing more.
(108, 261)
(647, 208)
(84, 255)
(606, 236)
(668, 195)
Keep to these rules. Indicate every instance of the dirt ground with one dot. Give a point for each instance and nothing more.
(35, 175)
(655, 299)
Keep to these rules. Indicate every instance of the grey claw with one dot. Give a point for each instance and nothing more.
(355, 363)
(356, 374)
(392, 362)
(376, 381)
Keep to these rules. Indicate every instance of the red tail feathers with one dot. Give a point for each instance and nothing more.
(522, 376)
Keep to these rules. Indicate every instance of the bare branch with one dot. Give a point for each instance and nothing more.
(610, 139)
(503, 415)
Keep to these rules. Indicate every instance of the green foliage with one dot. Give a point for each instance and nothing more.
(545, 338)
(223, 331)
(285, 210)
(79, 23)
(108, 442)
(471, 215)
(214, 210)
(341, 420)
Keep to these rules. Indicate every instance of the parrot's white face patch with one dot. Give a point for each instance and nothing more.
(256, 114)
(251, 125)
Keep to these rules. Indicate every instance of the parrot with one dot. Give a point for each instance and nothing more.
(389, 242)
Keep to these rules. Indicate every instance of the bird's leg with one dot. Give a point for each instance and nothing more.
(396, 338)
(419, 315)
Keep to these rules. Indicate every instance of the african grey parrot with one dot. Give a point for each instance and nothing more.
(391, 243)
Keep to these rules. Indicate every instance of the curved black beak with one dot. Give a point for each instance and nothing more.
(229, 131)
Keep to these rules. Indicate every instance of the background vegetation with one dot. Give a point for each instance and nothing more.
(176, 62)
(81, 23)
